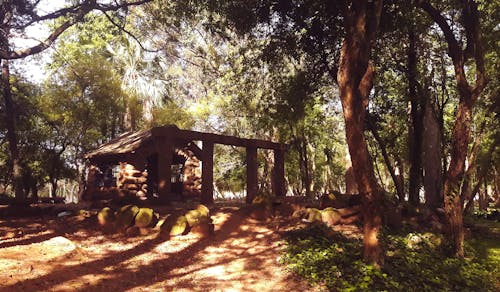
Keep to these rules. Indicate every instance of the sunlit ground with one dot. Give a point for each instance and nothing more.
(74, 254)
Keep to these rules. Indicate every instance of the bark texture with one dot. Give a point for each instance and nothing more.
(433, 179)
(355, 79)
(10, 110)
(416, 119)
(468, 95)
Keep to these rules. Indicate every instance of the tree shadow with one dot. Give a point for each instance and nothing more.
(238, 243)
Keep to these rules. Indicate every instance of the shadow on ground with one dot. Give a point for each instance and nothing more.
(241, 256)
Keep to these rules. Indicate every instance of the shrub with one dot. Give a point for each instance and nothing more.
(336, 262)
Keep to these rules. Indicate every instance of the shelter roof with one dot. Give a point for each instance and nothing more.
(132, 141)
(125, 143)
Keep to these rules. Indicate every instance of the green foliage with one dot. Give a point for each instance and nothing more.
(336, 262)
(169, 113)
(488, 214)
(229, 170)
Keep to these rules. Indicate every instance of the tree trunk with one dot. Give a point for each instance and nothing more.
(454, 175)
(10, 109)
(483, 198)
(390, 167)
(351, 187)
(400, 176)
(468, 95)
(53, 191)
(468, 192)
(304, 163)
(432, 159)
(312, 166)
(10, 122)
(355, 77)
(496, 189)
(416, 119)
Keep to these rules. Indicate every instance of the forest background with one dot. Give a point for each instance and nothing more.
(418, 88)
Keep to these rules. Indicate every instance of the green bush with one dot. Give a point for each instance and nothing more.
(488, 214)
(336, 262)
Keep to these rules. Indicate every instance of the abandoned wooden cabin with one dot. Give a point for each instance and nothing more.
(166, 163)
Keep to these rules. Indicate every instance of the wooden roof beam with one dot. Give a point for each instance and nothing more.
(175, 133)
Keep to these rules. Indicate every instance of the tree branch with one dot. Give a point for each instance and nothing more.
(79, 12)
(454, 49)
(123, 29)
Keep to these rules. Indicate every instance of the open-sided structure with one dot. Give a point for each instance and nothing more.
(165, 161)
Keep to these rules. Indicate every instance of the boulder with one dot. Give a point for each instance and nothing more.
(175, 225)
(106, 217)
(204, 211)
(194, 217)
(330, 217)
(338, 200)
(313, 215)
(259, 212)
(126, 215)
(145, 217)
(133, 231)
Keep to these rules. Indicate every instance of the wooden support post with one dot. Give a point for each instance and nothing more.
(165, 149)
(278, 179)
(207, 173)
(252, 187)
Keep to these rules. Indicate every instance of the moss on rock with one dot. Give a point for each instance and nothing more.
(174, 225)
(145, 217)
(204, 211)
(126, 215)
(106, 217)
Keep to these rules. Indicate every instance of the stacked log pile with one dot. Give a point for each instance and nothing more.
(132, 182)
(191, 172)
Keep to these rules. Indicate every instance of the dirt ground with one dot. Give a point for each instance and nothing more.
(73, 253)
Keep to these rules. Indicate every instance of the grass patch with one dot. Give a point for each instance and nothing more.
(414, 261)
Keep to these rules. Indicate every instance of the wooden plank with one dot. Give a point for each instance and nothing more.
(278, 179)
(207, 173)
(252, 187)
(172, 131)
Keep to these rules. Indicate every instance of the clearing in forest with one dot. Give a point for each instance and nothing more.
(74, 254)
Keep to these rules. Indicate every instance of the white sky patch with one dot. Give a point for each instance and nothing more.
(33, 67)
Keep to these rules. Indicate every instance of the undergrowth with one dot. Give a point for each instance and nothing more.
(413, 262)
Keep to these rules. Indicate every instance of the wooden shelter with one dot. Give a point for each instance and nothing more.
(152, 161)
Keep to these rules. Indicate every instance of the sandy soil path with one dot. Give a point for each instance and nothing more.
(73, 254)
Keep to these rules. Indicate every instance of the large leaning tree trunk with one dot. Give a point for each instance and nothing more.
(355, 80)
(468, 95)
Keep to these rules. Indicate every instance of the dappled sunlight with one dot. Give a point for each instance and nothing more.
(240, 256)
